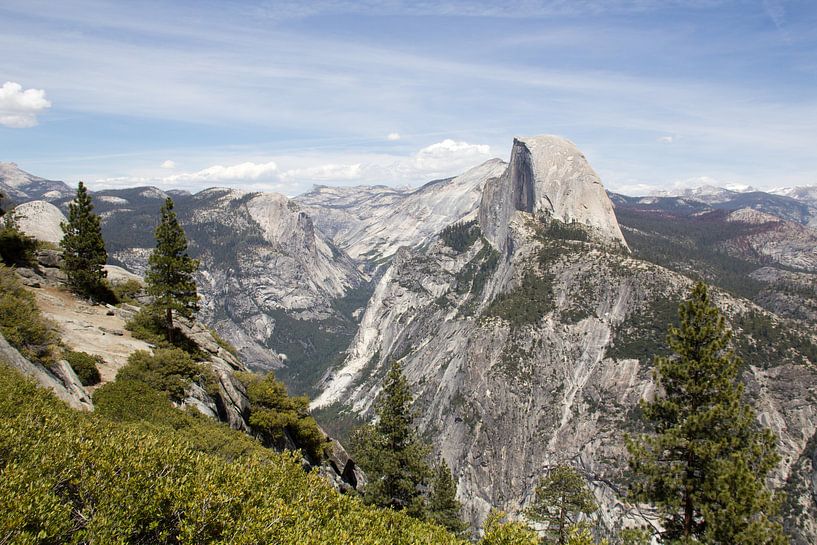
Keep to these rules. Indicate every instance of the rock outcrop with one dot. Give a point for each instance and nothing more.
(41, 220)
(61, 380)
(547, 175)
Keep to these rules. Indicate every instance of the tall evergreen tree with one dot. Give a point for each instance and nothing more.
(83, 247)
(560, 497)
(170, 270)
(705, 464)
(391, 453)
(443, 506)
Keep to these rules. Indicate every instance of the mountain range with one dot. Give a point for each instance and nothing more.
(524, 301)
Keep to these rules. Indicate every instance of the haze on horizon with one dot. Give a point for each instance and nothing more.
(281, 95)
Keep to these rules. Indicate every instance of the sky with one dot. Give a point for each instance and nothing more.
(281, 95)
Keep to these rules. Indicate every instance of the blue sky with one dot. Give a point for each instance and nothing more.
(280, 95)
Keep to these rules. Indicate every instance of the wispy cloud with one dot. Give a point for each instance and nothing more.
(245, 83)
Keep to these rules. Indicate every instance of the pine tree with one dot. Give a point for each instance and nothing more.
(391, 453)
(560, 497)
(443, 506)
(83, 248)
(170, 270)
(705, 464)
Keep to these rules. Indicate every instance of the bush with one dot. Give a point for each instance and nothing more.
(16, 248)
(168, 370)
(21, 322)
(84, 365)
(135, 402)
(497, 532)
(273, 412)
(149, 326)
(70, 477)
(126, 292)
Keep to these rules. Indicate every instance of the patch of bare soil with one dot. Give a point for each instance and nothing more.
(88, 328)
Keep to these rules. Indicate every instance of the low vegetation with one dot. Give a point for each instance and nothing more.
(84, 365)
(461, 235)
(168, 370)
(70, 477)
(16, 248)
(21, 322)
(137, 404)
(274, 415)
(150, 326)
(127, 291)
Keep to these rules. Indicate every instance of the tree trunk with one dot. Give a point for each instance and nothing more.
(562, 532)
(688, 499)
(170, 324)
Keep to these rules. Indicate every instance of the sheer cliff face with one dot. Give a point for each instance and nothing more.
(547, 175)
(531, 346)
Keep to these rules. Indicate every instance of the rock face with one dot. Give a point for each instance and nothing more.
(531, 346)
(372, 223)
(41, 220)
(775, 240)
(62, 380)
(547, 175)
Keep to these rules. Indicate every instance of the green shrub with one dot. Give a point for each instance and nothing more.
(168, 370)
(497, 532)
(84, 365)
(273, 412)
(149, 326)
(21, 322)
(136, 402)
(46, 245)
(70, 477)
(16, 248)
(126, 292)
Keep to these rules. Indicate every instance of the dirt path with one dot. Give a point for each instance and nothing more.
(88, 328)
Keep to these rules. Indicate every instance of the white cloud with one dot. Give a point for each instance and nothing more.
(169, 164)
(294, 174)
(666, 139)
(449, 154)
(18, 108)
(325, 173)
(393, 136)
(218, 173)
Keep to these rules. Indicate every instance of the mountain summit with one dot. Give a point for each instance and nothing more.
(547, 175)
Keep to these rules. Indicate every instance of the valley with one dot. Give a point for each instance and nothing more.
(524, 303)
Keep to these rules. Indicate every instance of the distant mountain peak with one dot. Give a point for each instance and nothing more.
(707, 193)
(547, 174)
(20, 186)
